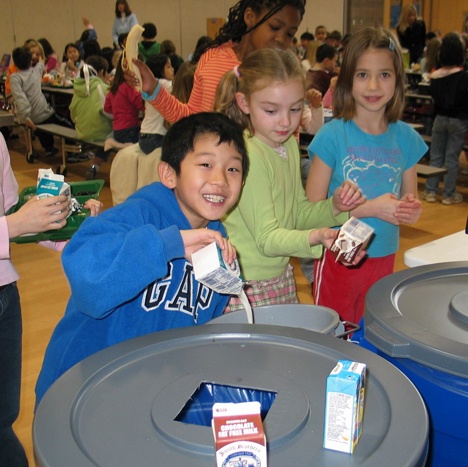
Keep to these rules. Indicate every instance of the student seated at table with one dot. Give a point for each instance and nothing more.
(130, 268)
(320, 75)
(31, 106)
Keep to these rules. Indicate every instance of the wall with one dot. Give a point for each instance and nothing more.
(182, 21)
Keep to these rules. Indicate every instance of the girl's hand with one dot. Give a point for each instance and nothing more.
(39, 215)
(149, 82)
(94, 206)
(314, 97)
(347, 197)
(196, 239)
(409, 209)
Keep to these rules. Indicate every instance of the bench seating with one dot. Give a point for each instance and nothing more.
(427, 171)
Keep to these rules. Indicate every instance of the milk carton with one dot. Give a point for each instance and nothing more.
(211, 270)
(239, 436)
(353, 236)
(52, 184)
(344, 406)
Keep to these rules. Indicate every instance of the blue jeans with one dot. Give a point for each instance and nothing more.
(128, 135)
(447, 143)
(11, 451)
(150, 141)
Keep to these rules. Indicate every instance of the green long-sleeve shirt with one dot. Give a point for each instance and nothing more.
(273, 217)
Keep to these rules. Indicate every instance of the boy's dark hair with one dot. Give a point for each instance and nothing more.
(430, 35)
(307, 36)
(181, 137)
(91, 47)
(235, 28)
(97, 62)
(22, 58)
(167, 47)
(150, 31)
(325, 51)
(108, 53)
(156, 64)
(451, 52)
(335, 35)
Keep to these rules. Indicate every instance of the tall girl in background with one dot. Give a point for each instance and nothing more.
(251, 25)
(152, 127)
(124, 103)
(366, 143)
(273, 219)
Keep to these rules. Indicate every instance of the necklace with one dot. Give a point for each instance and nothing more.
(282, 152)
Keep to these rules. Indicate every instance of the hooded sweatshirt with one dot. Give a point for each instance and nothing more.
(87, 109)
(128, 277)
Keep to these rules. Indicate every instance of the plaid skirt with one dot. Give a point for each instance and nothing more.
(278, 290)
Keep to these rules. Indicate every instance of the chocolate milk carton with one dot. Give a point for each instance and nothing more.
(344, 406)
(239, 436)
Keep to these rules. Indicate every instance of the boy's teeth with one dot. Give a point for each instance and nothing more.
(214, 198)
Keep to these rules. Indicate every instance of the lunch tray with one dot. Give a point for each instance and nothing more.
(81, 191)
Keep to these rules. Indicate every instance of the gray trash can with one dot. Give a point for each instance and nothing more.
(121, 406)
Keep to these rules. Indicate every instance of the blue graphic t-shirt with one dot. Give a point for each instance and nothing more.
(376, 163)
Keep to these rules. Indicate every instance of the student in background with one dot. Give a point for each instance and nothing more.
(31, 105)
(168, 48)
(123, 22)
(152, 129)
(252, 25)
(319, 76)
(305, 39)
(368, 144)
(145, 267)
(124, 103)
(72, 61)
(429, 61)
(321, 33)
(148, 45)
(52, 62)
(87, 108)
(449, 90)
(273, 219)
(89, 34)
(310, 56)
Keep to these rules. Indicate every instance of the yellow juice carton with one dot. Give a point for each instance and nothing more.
(239, 436)
(344, 406)
(211, 270)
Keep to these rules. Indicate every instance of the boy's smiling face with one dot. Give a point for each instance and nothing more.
(210, 180)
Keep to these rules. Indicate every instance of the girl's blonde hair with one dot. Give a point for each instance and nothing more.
(311, 52)
(262, 68)
(403, 24)
(344, 105)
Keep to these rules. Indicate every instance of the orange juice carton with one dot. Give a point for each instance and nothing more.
(211, 270)
(239, 436)
(352, 237)
(344, 406)
(52, 184)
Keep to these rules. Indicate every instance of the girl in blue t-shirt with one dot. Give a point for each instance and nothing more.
(366, 143)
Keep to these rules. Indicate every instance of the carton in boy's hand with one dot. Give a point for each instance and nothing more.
(353, 236)
(211, 270)
(52, 184)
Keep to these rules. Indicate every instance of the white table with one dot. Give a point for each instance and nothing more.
(450, 248)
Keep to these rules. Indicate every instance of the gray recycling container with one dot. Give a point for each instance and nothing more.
(120, 407)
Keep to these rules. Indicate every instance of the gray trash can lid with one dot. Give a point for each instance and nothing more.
(118, 407)
(422, 314)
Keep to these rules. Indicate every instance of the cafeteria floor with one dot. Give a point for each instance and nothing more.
(44, 289)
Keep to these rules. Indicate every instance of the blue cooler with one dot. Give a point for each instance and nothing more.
(417, 319)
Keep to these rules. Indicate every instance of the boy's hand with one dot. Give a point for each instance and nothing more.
(149, 82)
(196, 239)
(347, 197)
(409, 209)
(39, 215)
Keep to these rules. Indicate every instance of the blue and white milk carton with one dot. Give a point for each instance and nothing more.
(344, 406)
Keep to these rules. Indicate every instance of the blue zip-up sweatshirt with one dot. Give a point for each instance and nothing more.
(128, 277)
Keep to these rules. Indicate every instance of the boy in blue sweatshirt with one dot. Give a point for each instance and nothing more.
(129, 269)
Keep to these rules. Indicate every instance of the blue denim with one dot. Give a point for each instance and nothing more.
(11, 451)
(448, 135)
(127, 135)
(150, 141)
